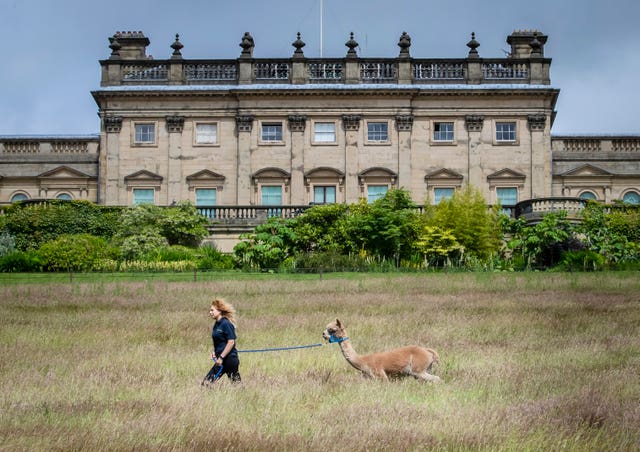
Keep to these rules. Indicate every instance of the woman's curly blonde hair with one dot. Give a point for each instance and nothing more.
(225, 309)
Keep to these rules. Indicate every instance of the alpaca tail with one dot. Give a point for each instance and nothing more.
(436, 357)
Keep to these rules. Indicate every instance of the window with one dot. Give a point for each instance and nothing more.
(376, 192)
(145, 134)
(324, 132)
(19, 197)
(64, 196)
(272, 132)
(505, 131)
(443, 131)
(631, 198)
(143, 196)
(324, 194)
(441, 194)
(206, 133)
(377, 131)
(206, 197)
(588, 195)
(507, 196)
(272, 196)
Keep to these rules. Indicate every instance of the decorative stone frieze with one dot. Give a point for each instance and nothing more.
(404, 123)
(351, 122)
(536, 122)
(113, 124)
(297, 123)
(244, 123)
(474, 122)
(175, 123)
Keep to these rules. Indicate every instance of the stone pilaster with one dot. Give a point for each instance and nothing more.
(244, 126)
(404, 125)
(175, 124)
(110, 184)
(297, 126)
(351, 125)
(540, 156)
(474, 124)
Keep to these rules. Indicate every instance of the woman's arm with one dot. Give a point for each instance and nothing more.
(227, 350)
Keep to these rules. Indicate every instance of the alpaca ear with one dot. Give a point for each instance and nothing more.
(338, 323)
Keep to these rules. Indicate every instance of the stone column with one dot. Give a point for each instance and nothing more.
(474, 125)
(174, 164)
(110, 182)
(351, 125)
(404, 124)
(244, 125)
(297, 126)
(540, 157)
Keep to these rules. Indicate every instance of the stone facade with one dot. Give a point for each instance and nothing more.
(297, 131)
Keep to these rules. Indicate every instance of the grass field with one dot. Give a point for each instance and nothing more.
(529, 361)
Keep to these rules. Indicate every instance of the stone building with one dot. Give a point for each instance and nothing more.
(237, 135)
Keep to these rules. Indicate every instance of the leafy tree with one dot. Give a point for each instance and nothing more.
(268, 246)
(438, 246)
(316, 230)
(182, 225)
(72, 252)
(475, 227)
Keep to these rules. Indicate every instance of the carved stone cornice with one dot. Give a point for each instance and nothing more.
(536, 122)
(113, 124)
(175, 123)
(244, 123)
(351, 122)
(404, 123)
(474, 122)
(297, 123)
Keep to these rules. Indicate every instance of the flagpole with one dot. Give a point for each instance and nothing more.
(320, 28)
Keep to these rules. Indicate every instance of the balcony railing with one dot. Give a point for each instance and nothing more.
(332, 70)
(534, 209)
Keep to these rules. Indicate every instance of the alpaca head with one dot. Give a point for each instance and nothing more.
(334, 331)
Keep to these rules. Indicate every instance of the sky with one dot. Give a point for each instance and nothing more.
(51, 51)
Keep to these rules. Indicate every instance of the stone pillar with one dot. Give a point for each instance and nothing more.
(351, 125)
(110, 182)
(540, 157)
(474, 65)
(297, 126)
(245, 62)
(474, 125)
(174, 164)
(404, 60)
(352, 64)
(404, 124)
(298, 67)
(244, 125)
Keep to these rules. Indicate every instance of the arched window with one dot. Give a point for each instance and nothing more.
(631, 197)
(19, 197)
(588, 195)
(64, 197)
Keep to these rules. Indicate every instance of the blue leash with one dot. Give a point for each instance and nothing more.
(279, 348)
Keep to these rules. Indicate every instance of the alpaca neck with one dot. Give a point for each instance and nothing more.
(350, 355)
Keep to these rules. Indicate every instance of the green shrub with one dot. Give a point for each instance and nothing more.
(73, 252)
(20, 261)
(583, 260)
(209, 258)
(7, 243)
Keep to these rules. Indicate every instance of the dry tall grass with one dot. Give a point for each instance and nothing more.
(529, 362)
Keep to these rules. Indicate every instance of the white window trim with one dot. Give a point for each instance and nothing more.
(441, 187)
(142, 187)
(324, 143)
(506, 142)
(195, 133)
(268, 123)
(144, 143)
(495, 192)
(432, 133)
(386, 142)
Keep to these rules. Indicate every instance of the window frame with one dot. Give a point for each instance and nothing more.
(437, 201)
(134, 132)
(435, 140)
(368, 132)
(377, 196)
(133, 195)
(324, 193)
(261, 138)
(206, 143)
(591, 195)
(22, 195)
(634, 193)
(314, 135)
(506, 187)
(503, 141)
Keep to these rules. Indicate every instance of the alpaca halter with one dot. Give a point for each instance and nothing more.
(336, 340)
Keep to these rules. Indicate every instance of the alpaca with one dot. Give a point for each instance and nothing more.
(410, 360)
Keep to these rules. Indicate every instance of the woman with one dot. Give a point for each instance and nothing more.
(225, 354)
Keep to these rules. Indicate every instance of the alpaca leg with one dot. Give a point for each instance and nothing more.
(425, 376)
